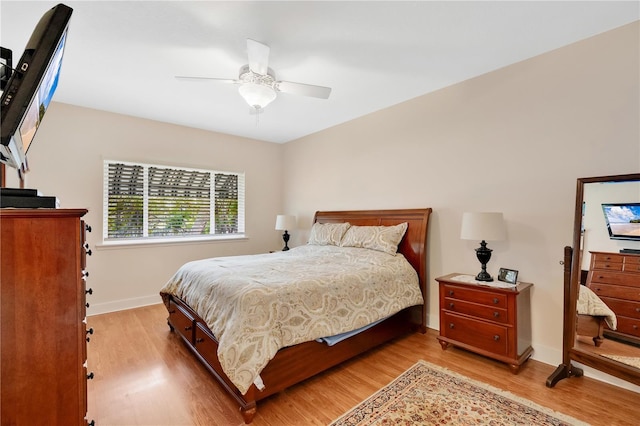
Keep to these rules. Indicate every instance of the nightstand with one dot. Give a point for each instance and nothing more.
(491, 321)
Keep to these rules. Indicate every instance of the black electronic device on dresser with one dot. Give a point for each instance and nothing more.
(43, 300)
(23, 198)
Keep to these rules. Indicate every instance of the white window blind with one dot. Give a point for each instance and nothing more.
(144, 201)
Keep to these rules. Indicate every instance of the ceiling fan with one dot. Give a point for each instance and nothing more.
(258, 84)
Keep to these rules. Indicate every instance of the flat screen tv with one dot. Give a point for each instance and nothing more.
(623, 220)
(31, 86)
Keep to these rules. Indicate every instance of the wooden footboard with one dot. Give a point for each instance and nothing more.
(294, 364)
(290, 365)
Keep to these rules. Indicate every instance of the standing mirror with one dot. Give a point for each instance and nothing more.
(602, 280)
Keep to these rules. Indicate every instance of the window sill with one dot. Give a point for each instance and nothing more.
(169, 241)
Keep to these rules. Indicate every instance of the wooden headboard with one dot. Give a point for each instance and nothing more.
(414, 244)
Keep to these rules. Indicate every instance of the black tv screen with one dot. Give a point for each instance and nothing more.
(31, 86)
(623, 220)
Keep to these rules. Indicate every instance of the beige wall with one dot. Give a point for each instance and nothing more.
(514, 140)
(66, 160)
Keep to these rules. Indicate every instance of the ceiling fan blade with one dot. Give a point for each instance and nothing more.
(258, 56)
(189, 77)
(303, 89)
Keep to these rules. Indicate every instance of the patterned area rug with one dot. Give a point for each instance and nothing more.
(633, 361)
(427, 394)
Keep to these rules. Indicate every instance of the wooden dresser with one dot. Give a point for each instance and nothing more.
(615, 277)
(43, 369)
(491, 321)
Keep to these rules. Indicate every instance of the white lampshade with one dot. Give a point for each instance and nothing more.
(285, 222)
(257, 95)
(487, 226)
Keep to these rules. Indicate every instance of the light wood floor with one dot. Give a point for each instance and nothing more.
(144, 375)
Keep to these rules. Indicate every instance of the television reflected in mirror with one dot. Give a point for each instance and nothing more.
(623, 220)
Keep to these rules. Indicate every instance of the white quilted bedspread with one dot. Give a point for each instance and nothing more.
(256, 305)
(590, 304)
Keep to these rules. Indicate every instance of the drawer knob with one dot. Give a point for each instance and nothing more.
(451, 325)
(90, 331)
(637, 309)
(635, 327)
(86, 304)
(496, 314)
(495, 300)
(450, 292)
(89, 291)
(451, 305)
(496, 337)
(90, 376)
(187, 328)
(199, 340)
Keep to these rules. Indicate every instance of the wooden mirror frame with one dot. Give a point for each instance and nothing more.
(572, 271)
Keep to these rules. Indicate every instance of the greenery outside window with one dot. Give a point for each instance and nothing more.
(152, 202)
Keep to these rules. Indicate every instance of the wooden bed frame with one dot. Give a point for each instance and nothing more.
(294, 364)
(592, 326)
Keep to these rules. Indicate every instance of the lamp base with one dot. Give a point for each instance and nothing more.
(484, 276)
(285, 237)
(483, 253)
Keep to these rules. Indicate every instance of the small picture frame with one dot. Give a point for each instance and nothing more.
(508, 275)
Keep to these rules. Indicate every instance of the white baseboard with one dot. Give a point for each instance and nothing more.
(121, 305)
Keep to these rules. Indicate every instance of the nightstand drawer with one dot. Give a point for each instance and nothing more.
(479, 334)
(480, 311)
(483, 297)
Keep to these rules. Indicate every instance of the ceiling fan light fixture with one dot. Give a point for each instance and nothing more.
(257, 95)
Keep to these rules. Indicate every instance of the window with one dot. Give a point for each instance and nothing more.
(144, 201)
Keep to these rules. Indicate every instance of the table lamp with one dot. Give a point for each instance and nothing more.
(284, 223)
(483, 226)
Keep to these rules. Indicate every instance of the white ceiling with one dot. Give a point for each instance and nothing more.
(122, 56)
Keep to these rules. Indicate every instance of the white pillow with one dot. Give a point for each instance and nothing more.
(325, 234)
(381, 238)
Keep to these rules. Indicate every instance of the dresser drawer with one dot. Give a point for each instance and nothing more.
(631, 267)
(607, 266)
(476, 310)
(632, 260)
(607, 257)
(606, 277)
(482, 297)
(616, 291)
(480, 334)
(629, 326)
(625, 308)
(181, 321)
